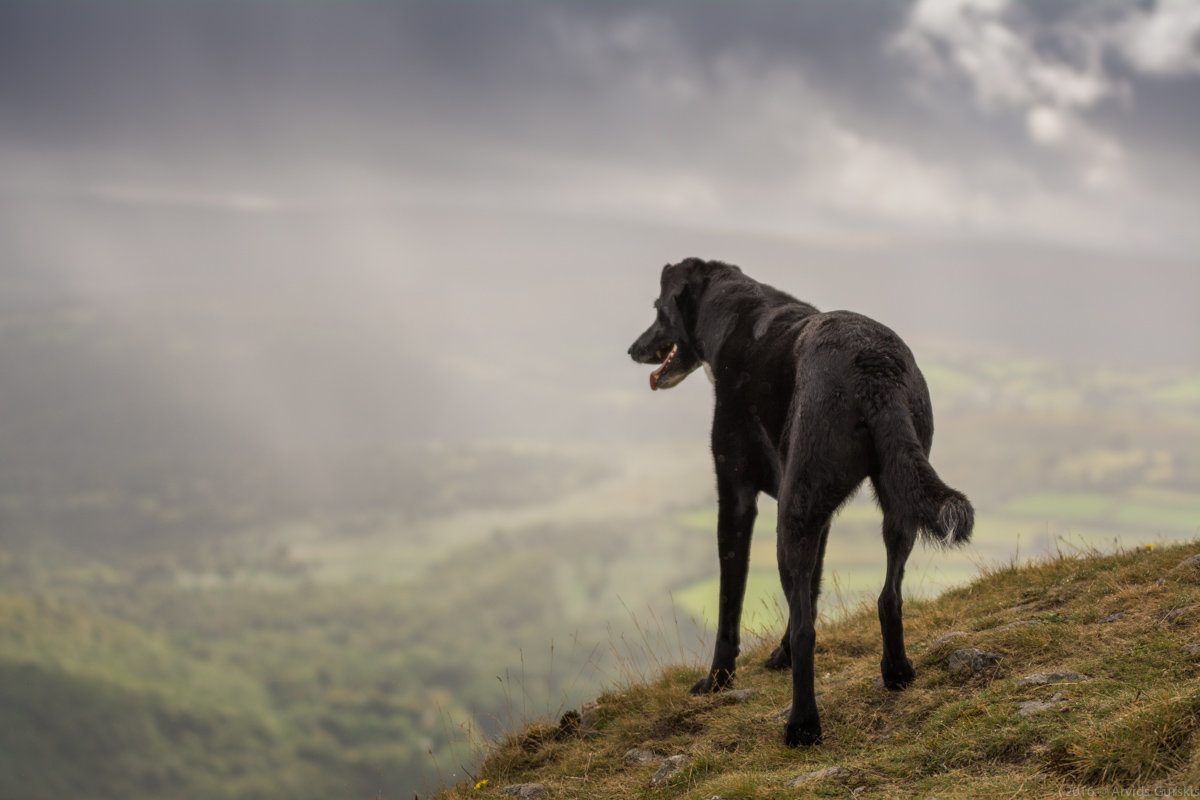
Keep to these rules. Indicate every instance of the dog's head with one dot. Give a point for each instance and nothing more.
(671, 341)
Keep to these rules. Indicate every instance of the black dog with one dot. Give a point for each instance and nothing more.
(808, 405)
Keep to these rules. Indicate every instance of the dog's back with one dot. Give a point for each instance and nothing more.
(870, 369)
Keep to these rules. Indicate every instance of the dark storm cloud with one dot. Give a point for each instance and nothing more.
(1051, 120)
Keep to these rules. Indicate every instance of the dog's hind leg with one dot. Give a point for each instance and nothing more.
(736, 512)
(781, 656)
(897, 670)
(899, 535)
(799, 543)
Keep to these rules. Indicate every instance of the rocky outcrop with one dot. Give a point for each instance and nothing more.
(1043, 678)
(971, 661)
(669, 767)
(1032, 707)
(525, 790)
(834, 773)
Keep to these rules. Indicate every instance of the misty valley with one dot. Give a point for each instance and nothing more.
(187, 612)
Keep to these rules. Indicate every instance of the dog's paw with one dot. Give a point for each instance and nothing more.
(714, 682)
(780, 659)
(802, 735)
(898, 676)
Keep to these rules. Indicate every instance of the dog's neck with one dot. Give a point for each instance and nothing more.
(728, 306)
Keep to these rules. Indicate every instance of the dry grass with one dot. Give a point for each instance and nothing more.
(1132, 727)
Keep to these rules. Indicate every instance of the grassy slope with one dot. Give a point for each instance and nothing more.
(1134, 725)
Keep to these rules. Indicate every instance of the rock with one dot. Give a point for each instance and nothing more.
(1035, 706)
(971, 660)
(741, 695)
(1008, 626)
(589, 715)
(1043, 678)
(826, 774)
(669, 767)
(949, 637)
(528, 790)
(636, 756)
(782, 714)
(1113, 617)
(1191, 562)
(1179, 612)
(1187, 568)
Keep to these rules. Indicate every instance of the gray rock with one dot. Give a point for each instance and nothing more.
(589, 715)
(527, 790)
(1184, 569)
(741, 695)
(1036, 706)
(669, 767)
(1179, 612)
(782, 714)
(949, 637)
(971, 660)
(1022, 623)
(1043, 678)
(1191, 562)
(636, 756)
(1113, 617)
(825, 774)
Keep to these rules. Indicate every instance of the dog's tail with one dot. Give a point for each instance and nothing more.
(913, 489)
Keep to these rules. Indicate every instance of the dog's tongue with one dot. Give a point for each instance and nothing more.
(654, 376)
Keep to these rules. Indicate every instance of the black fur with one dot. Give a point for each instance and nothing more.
(808, 405)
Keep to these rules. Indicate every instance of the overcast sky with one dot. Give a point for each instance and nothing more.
(494, 185)
(1063, 121)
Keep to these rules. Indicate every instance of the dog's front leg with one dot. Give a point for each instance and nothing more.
(737, 508)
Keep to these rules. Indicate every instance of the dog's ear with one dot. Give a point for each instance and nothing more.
(681, 309)
(693, 284)
(679, 297)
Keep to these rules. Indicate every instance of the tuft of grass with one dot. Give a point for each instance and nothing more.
(1132, 725)
(1149, 739)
